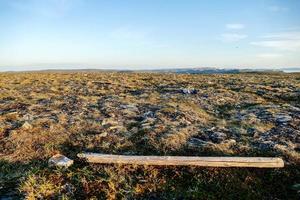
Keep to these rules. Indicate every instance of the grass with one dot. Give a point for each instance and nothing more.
(74, 112)
(138, 182)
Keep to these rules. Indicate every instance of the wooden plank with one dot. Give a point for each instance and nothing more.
(259, 162)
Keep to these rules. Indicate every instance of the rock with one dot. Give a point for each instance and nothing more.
(146, 127)
(266, 145)
(189, 91)
(68, 188)
(43, 101)
(26, 126)
(60, 161)
(148, 121)
(130, 107)
(260, 92)
(129, 153)
(296, 187)
(205, 95)
(196, 143)
(134, 130)
(283, 118)
(136, 92)
(295, 109)
(149, 114)
(251, 131)
(262, 114)
(217, 136)
(212, 129)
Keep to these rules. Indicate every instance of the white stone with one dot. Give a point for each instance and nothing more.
(60, 161)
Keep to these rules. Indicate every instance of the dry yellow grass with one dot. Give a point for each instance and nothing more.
(44, 113)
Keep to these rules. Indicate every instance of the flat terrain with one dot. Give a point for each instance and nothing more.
(251, 114)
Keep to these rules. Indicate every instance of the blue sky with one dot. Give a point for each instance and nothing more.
(146, 34)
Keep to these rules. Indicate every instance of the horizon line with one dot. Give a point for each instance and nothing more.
(70, 68)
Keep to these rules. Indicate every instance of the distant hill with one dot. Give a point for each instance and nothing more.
(291, 70)
(199, 71)
(204, 70)
(214, 71)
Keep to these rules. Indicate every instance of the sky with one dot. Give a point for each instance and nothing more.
(149, 34)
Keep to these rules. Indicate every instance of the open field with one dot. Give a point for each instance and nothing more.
(251, 114)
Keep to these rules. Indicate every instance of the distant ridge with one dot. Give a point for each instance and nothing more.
(204, 70)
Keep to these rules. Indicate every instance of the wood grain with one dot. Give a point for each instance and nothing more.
(259, 162)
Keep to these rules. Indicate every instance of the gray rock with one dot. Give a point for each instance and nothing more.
(68, 188)
(296, 187)
(251, 131)
(266, 145)
(129, 153)
(294, 109)
(283, 118)
(149, 114)
(148, 121)
(60, 161)
(130, 107)
(260, 92)
(195, 143)
(189, 91)
(217, 136)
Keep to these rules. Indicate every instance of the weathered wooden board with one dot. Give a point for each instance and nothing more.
(259, 162)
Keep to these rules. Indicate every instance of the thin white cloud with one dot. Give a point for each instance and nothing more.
(290, 35)
(269, 55)
(289, 45)
(235, 26)
(232, 37)
(288, 41)
(276, 8)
